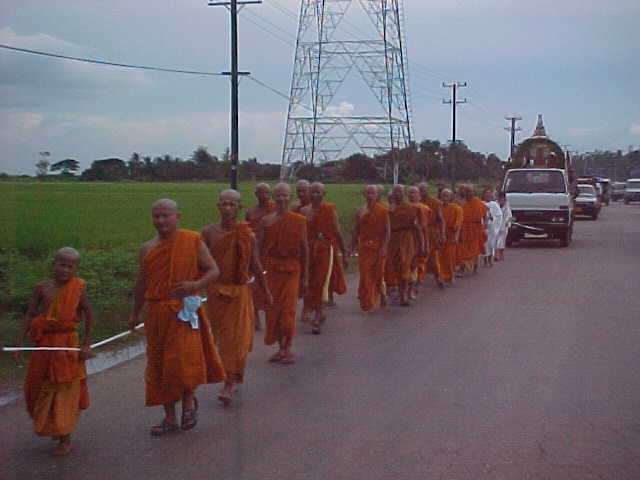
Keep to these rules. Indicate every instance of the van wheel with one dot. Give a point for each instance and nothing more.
(565, 238)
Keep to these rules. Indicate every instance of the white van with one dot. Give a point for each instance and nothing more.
(541, 203)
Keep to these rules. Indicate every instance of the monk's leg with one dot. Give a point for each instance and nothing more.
(226, 393)
(288, 354)
(403, 287)
(279, 355)
(189, 410)
(318, 320)
(63, 447)
(169, 423)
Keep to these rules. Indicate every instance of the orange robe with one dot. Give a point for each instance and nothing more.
(179, 358)
(230, 302)
(372, 227)
(473, 234)
(55, 386)
(281, 255)
(323, 258)
(254, 223)
(433, 260)
(403, 246)
(424, 218)
(453, 216)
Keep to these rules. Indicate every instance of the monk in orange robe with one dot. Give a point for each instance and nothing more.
(303, 192)
(371, 240)
(424, 218)
(174, 266)
(405, 244)
(254, 216)
(474, 234)
(325, 240)
(284, 251)
(453, 216)
(233, 247)
(55, 387)
(436, 232)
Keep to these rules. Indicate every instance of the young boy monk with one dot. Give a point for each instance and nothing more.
(174, 266)
(56, 388)
(229, 299)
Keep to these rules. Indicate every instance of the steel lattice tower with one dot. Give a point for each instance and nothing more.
(321, 65)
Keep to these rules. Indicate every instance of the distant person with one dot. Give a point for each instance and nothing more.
(303, 192)
(371, 240)
(424, 216)
(474, 233)
(405, 244)
(254, 216)
(505, 223)
(493, 220)
(232, 245)
(435, 232)
(174, 266)
(453, 216)
(55, 387)
(325, 241)
(284, 252)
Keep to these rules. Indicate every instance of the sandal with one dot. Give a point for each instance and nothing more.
(163, 428)
(287, 359)
(225, 399)
(276, 357)
(190, 416)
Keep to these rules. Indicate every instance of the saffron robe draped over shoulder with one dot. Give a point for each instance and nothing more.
(403, 246)
(254, 223)
(433, 260)
(372, 228)
(55, 386)
(281, 253)
(323, 260)
(179, 358)
(473, 232)
(229, 300)
(453, 216)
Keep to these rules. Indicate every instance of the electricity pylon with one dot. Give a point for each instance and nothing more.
(325, 57)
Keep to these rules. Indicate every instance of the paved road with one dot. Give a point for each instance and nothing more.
(527, 371)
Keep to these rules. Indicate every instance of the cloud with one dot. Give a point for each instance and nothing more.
(635, 129)
(581, 131)
(27, 80)
(345, 109)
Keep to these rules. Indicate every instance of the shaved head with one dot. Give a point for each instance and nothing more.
(283, 187)
(230, 194)
(263, 187)
(67, 252)
(317, 185)
(302, 183)
(165, 203)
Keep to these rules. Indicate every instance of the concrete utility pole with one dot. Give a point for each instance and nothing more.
(232, 6)
(453, 102)
(513, 129)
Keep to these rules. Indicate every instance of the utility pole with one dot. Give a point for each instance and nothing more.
(232, 6)
(513, 129)
(453, 102)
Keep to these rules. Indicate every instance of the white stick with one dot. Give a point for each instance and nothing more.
(71, 349)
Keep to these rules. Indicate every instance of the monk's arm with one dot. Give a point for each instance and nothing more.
(387, 236)
(256, 268)
(32, 311)
(304, 262)
(138, 293)
(85, 306)
(356, 232)
(440, 222)
(209, 268)
(341, 245)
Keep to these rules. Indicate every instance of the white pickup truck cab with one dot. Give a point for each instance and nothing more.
(541, 203)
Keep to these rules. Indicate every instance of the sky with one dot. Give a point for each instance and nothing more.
(575, 61)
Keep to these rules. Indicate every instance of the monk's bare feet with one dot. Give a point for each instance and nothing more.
(63, 448)
(287, 358)
(276, 357)
(226, 394)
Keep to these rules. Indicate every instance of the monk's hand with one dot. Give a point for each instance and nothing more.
(345, 259)
(182, 289)
(85, 352)
(133, 322)
(268, 299)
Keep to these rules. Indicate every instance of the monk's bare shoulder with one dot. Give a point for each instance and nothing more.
(148, 246)
(269, 219)
(209, 233)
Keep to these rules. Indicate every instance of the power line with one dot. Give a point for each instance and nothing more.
(453, 102)
(113, 64)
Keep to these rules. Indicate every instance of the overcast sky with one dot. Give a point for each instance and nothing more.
(575, 61)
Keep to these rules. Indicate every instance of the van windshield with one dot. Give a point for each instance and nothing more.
(535, 181)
